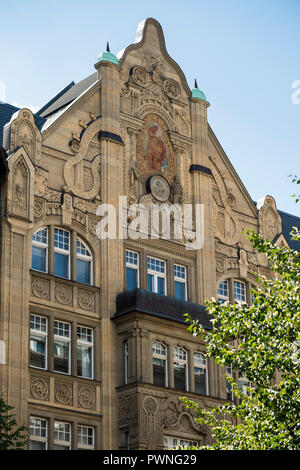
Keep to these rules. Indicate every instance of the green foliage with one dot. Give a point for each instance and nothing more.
(11, 436)
(297, 181)
(258, 341)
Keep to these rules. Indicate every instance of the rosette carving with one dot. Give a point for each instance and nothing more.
(39, 388)
(40, 288)
(87, 397)
(63, 393)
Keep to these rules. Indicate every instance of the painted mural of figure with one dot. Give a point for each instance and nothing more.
(156, 152)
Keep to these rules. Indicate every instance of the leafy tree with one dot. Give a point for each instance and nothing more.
(258, 341)
(11, 436)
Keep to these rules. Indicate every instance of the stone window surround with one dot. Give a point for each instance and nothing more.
(170, 260)
(74, 236)
(74, 421)
(51, 316)
(230, 280)
(190, 362)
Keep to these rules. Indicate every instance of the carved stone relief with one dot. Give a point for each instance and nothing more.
(23, 132)
(63, 393)
(40, 288)
(39, 388)
(87, 397)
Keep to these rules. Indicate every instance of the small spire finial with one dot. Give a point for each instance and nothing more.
(107, 47)
(196, 85)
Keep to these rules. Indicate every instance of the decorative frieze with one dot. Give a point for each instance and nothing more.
(39, 388)
(63, 393)
(63, 294)
(87, 397)
(40, 288)
(86, 300)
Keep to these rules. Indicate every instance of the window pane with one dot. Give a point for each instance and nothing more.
(239, 291)
(37, 445)
(61, 265)
(150, 278)
(61, 239)
(61, 356)
(200, 380)
(159, 372)
(179, 290)
(38, 351)
(85, 436)
(160, 285)
(39, 258)
(131, 278)
(84, 361)
(179, 376)
(83, 271)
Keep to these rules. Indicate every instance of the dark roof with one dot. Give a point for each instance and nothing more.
(163, 306)
(288, 222)
(67, 95)
(6, 112)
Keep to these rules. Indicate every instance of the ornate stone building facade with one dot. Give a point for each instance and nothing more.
(93, 345)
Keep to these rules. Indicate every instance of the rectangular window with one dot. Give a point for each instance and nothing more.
(180, 369)
(171, 442)
(86, 437)
(239, 292)
(159, 363)
(62, 436)
(180, 287)
(40, 250)
(85, 352)
(132, 270)
(61, 253)
(62, 347)
(38, 341)
(38, 431)
(156, 276)
(223, 292)
(200, 373)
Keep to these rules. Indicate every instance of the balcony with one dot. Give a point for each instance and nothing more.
(163, 306)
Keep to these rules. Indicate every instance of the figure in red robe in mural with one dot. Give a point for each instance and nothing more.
(156, 151)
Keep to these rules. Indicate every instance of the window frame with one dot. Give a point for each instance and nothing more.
(182, 361)
(61, 442)
(202, 366)
(62, 252)
(88, 344)
(41, 245)
(157, 274)
(39, 333)
(180, 280)
(222, 297)
(85, 446)
(161, 357)
(33, 437)
(66, 340)
(168, 446)
(132, 266)
(88, 258)
(245, 291)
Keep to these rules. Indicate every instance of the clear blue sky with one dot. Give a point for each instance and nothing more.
(244, 53)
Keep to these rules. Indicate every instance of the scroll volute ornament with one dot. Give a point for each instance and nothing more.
(73, 168)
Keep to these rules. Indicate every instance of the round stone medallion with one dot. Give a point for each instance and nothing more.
(159, 188)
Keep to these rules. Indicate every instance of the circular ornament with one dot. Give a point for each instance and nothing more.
(140, 76)
(172, 89)
(159, 188)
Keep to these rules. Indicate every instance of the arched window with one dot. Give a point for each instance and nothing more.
(39, 258)
(159, 361)
(83, 262)
(223, 291)
(180, 369)
(200, 373)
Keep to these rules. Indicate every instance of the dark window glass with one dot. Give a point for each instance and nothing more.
(38, 351)
(159, 372)
(161, 285)
(83, 271)
(179, 376)
(61, 265)
(38, 258)
(179, 290)
(131, 278)
(61, 356)
(200, 380)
